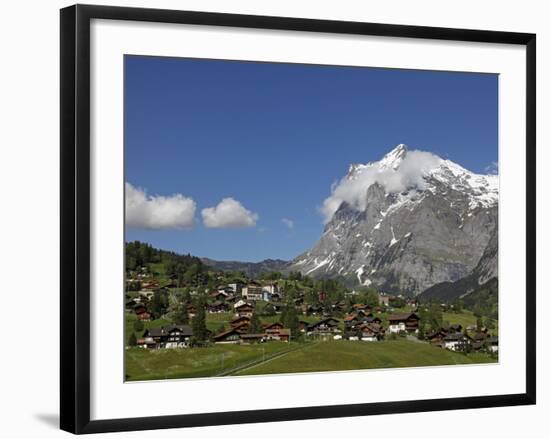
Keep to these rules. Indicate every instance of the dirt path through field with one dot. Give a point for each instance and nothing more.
(255, 363)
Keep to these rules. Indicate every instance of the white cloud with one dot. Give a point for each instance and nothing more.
(412, 168)
(288, 222)
(229, 213)
(158, 212)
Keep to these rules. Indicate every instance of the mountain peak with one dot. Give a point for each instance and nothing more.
(393, 158)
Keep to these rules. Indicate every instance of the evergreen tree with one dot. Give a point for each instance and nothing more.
(255, 325)
(289, 319)
(199, 323)
(138, 326)
(180, 314)
(132, 340)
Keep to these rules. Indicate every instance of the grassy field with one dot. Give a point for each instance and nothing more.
(154, 364)
(129, 325)
(275, 357)
(350, 355)
(465, 318)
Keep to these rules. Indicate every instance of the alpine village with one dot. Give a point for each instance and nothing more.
(184, 319)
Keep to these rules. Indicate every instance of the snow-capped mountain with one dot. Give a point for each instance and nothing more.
(406, 223)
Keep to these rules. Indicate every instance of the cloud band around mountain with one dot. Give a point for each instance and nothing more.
(410, 172)
(145, 211)
(229, 213)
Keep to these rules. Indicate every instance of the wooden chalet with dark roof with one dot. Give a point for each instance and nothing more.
(325, 326)
(171, 336)
(404, 322)
(244, 310)
(231, 336)
(218, 306)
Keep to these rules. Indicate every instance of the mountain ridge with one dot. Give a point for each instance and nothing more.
(405, 223)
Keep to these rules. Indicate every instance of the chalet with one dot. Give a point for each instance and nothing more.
(273, 326)
(240, 323)
(146, 295)
(227, 290)
(302, 325)
(191, 310)
(372, 319)
(362, 307)
(314, 309)
(238, 320)
(239, 303)
(152, 285)
(231, 336)
(371, 332)
(142, 313)
(325, 326)
(219, 295)
(437, 335)
(144, 316)
(338, 306)
(245, 310)
(218, 306)
(455, 342)
(169, 337)
(130, 304)
(231, 299)
(278, 306)
(455, 327)
(351, 320)
(384, 299)
(282, 334)
(407, 322)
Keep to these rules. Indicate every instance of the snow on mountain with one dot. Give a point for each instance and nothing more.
(412, 219)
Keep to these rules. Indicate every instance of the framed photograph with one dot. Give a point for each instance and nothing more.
(274, 218)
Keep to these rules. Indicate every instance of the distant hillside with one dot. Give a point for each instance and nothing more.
(251, 269)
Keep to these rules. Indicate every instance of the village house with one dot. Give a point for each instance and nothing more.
(455, 342)
(371, 332)
(436, 336)
(231, 336)
(278, 306)
(302, 325)
(242, 323)
(168, 337)
(245, 310)
(324, 327)
(218, 306)
(405, 322)
(276, 331)
(314, 309)
(253, 291)
(219, 295)
(142, 313)
(384, 299)
(191, 310)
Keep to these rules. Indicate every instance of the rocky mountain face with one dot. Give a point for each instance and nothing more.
(406, 223)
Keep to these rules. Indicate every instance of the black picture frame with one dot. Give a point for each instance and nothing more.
(75, 217)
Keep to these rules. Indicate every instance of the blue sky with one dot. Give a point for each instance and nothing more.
(274, 137)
